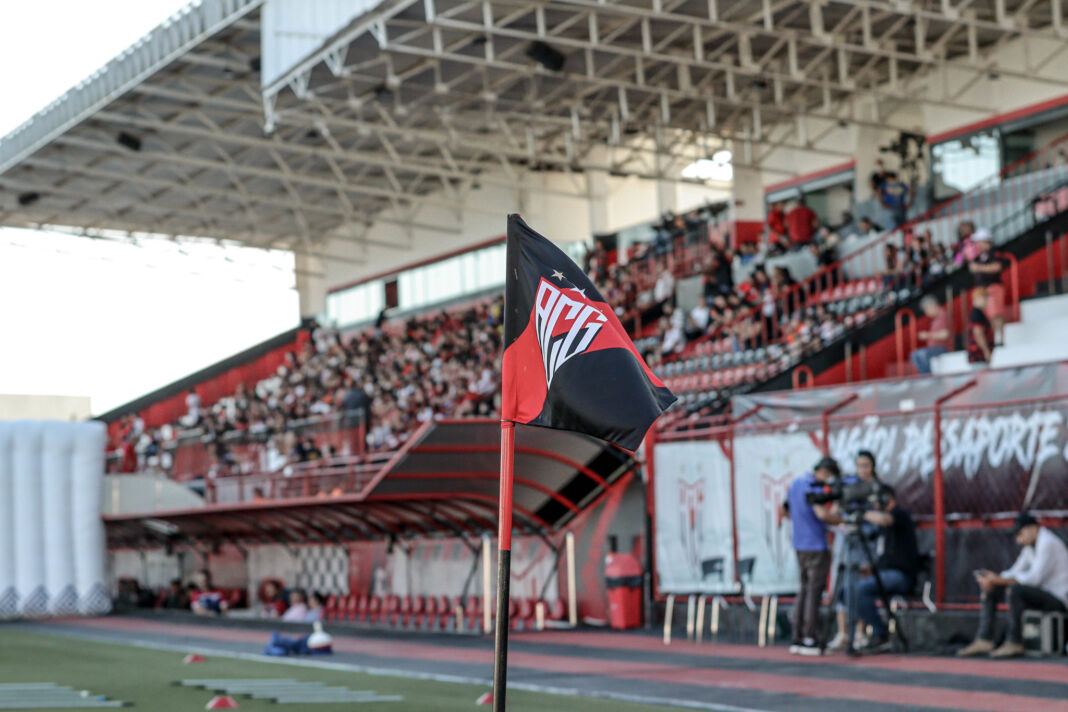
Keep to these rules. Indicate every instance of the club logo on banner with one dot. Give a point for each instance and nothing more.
(776, 535)
(694, 536)
(691, 499)
(765, 465)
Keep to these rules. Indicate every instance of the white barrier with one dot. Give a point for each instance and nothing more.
(51, 532)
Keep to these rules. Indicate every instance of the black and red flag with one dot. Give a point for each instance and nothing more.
(568, 362)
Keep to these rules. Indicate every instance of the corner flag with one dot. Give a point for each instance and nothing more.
(568, 362)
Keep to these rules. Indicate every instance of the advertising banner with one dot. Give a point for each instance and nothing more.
(694, 541)
(765, 465)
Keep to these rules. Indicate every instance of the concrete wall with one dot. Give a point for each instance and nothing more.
(27, 407)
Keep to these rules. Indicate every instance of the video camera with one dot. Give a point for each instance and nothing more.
(855, 496)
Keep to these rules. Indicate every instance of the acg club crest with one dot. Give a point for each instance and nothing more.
(567, 324)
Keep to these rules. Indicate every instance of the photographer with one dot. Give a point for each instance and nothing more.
(896, 566)
(813, 556)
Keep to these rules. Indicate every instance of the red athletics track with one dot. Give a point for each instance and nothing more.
(709, 676)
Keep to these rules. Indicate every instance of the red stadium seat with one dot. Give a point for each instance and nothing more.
(374, 610)
(330, 608)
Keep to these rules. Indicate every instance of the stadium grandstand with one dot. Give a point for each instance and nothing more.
(832, 228)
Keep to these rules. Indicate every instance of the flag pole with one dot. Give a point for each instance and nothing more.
(504, 565)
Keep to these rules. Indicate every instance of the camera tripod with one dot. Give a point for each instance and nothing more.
(847, 579)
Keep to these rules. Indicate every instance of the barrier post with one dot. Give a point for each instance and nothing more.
(572, 587)
(940, 494)
(825, 419)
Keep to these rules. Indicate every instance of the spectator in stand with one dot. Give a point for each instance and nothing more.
(271, 599)
(177, 597)
(1038, 581)
(298, 607)
(315, 608)
(938, 337)
(896, 197)
(777, 222)
(664, 289)
(846, 226)
(801, 223)
(672, 338)
(207, 600)
(192, 406)
(986, 268)
(980, 332)
(866, 228)
(964, 250)
(878, 177)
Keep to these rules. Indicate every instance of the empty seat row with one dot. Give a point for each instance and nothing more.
(430, 612)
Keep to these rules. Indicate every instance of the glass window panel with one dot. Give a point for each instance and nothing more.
(961, 164)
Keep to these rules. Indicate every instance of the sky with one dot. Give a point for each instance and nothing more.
(99, 318)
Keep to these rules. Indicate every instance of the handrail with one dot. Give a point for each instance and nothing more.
(899, 336)
(796, 377)
(797, 292)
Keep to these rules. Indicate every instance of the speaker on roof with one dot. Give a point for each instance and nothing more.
(129, 141)
(548, 57)
(28, 198)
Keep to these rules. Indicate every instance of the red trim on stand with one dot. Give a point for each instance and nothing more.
(806, 177)
(998, 119)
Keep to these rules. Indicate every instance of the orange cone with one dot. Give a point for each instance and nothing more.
(194, 658)
(222, 702)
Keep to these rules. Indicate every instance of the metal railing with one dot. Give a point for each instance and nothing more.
(1004, 202)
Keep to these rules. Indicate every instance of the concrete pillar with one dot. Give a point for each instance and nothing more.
(747, 201)
(310, 275)
(598, 190)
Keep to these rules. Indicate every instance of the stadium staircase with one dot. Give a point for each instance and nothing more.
(1036, 338)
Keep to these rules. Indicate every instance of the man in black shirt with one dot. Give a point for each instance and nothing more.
(898, 562)
(980, 331)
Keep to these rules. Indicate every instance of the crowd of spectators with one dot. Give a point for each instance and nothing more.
(395, 377)
(203, 598)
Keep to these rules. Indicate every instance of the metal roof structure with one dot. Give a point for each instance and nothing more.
(414, 104)
(442, 482)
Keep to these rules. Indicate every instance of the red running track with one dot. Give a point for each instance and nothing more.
(590, 655)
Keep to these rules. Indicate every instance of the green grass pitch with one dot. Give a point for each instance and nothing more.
(145, 677)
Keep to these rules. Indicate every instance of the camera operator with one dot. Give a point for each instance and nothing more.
(813, 556)
(897, 565)
(845, 556)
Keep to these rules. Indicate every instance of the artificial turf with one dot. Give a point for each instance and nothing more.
(146, 677)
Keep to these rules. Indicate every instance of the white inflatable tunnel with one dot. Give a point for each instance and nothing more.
(51, 533)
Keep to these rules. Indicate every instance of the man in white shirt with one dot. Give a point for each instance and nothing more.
(1038, 581)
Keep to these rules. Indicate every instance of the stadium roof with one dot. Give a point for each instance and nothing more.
(443, 482)
(407, 104)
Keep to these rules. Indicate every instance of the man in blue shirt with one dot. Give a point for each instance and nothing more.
(813, 555)
(896, 197)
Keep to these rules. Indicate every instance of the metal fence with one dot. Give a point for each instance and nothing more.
(962, 470)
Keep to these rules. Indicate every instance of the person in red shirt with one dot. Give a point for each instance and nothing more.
(801, 223)
(776, 221)
(938, 336)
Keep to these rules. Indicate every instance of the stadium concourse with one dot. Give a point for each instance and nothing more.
(802, 212)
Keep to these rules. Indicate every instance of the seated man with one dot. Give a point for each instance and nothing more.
(1037, 581)
(939, 338)
(897, 565)
(207, 600)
